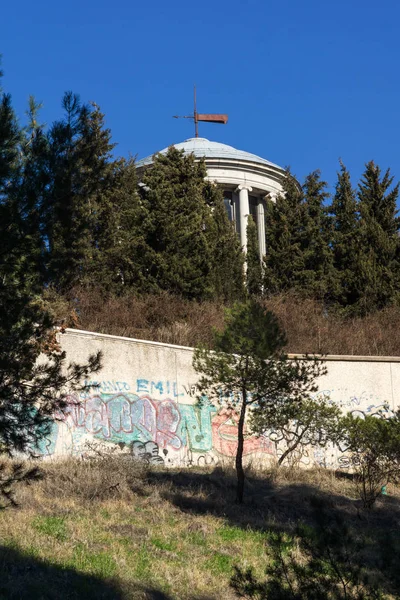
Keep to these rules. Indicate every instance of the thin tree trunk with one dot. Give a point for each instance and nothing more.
(239, 453)
(288, 451)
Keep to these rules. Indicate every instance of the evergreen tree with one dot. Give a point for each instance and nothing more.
(378, 257)
(254, 273)
(29, 391)
(78, 164)
(123, 255)
(227, 256)
(10, 136)
(176, 228)
(345, 239)
(317, 276)
(284, 261)
(29, 188)
(248, 373)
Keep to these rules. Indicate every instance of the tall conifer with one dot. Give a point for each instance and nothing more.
(30, 391)
(227, 256)
(78, 164)
(177, 224)
(284, 260)
(123, 255)
(317, 277)
(378, 259)
(345, 240)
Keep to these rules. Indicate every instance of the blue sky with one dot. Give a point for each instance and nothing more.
(304, 83)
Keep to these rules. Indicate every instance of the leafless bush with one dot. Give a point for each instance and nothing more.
(101, 477)
(167, 318)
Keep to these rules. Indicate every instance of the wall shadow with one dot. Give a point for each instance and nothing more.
(271, 507)
(24, 577)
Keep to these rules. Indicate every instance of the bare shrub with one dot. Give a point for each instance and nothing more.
(160, 317)
(100, 478)
(310, 328)
(163, 317)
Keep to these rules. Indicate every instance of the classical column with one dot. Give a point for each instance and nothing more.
(244, 211)
(261, 228)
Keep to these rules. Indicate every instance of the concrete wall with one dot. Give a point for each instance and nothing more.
(146, 405)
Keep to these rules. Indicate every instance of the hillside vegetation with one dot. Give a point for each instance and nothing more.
(175, 320)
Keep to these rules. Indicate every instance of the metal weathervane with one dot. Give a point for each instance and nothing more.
(196, 117)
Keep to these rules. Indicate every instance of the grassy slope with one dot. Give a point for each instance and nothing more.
(113, 529)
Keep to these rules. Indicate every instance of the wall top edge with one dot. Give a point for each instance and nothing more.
(94, 334)
(329, 357)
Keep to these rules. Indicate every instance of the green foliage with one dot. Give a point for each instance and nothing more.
(316, 278)
(298, 256)
(315, 564)
(78, 166)
(254, 274)
(227, 256)
(374, 447)
(345, 240)
(309, 422)
(378, 256)
(30, 390)
(284, 261)
(248, 369)
(121, 246)
(177, 224)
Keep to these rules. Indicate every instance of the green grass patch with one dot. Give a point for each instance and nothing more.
(54, 527)
(196, 539)
(167, 545)
(219, 564)
(143, 564)
(101, 564)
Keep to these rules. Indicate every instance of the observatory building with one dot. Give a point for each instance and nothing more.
(247, 181)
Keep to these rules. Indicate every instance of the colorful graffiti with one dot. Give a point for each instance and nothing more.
(152, 421)
(150, 428)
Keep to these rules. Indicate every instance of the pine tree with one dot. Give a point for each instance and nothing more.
(30, 391)
(345, 240)
(317, 277)
(78, 164)
(227, 256)
(10, 135)
(177, 224)
(254, 274)
(247, 372)
(378, 257)
(284, 260)
(123, 255)
(30, 187)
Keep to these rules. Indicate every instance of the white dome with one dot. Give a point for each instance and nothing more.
(203, 148)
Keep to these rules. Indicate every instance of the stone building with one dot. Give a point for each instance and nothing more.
(247, 181)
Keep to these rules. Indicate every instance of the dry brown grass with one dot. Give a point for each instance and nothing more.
(114, 528)
(310, 330)
(162, 318)
(170, 319)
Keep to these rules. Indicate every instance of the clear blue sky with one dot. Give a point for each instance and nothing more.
(304, 82)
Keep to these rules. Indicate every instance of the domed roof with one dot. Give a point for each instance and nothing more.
(203, 148)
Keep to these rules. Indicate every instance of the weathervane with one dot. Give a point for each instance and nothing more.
(196, 117)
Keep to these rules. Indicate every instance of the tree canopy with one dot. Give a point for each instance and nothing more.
(248, 371)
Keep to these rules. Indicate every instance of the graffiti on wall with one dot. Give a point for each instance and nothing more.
(155, 430)
(150, 421)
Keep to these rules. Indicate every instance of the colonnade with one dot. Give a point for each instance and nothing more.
(244, 212)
